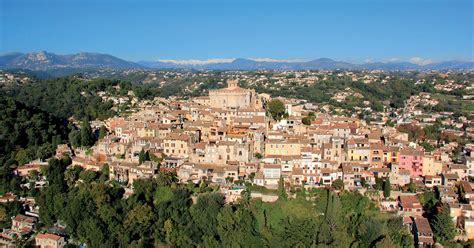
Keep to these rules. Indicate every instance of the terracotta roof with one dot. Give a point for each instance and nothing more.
(48, 236)
(422, 225)
(24, 218)
(409, 201)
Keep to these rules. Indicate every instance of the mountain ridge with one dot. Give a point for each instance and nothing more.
(44, 60)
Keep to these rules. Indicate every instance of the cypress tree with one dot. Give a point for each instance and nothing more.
(386, 188)
(443, 226)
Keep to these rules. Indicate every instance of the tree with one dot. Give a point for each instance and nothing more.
(306, 120)
(427, 146)
(87, 138)
(387, 188)
(246, 196)
(229, 179)
(147, 156)
(102, 132)
(385, 243)
(398, 234)
(252, 176)
(332, 231)
(205, 212)
(75, 138)
(3, 213)
(443, 226)
(378, 183)
(141, 157)
(338, 184)
(276, 108)
(281, 189)
(236, 228)
(104, 172)
(369, 231)
(411, 187)
(71, 175)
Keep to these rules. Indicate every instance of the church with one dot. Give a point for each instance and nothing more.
(233, 97)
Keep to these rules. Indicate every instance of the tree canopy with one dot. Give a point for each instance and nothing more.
(276, 109)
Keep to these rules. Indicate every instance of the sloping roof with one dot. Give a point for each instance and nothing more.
(422, 225)
(409, 201)
(48, 236)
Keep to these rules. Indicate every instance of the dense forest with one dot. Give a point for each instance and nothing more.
(161, 212)
(26, 133)
(76, 97)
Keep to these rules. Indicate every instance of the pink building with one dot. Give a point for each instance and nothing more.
(411, 160)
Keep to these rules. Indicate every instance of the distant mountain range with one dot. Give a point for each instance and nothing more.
(317, 64)
(49, 61)
(43, 61)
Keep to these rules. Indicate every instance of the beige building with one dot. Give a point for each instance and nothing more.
(431, 166)
(176, 145)
(233, 97)
(48, 240)
(284, 147)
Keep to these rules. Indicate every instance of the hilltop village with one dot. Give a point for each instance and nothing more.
(235, 138)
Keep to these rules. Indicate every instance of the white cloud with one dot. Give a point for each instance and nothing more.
(196, 61)
(420, 61)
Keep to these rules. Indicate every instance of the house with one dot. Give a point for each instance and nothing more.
(8, 197)
(259, 179)
(177, 144)
(129, 172)
(23, 224)
(468, 191)
(432, 181)
(422, 232)
(409, 205)
(48, 240)
(271, 173)
(232, 171)
(24, 170)
(431, 165)
(412, 160)
(469, 228)
(449, 179)
(447, 194)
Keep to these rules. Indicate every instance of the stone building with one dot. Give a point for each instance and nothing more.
(233, 97)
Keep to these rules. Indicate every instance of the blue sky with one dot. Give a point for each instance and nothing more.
(377, 30)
